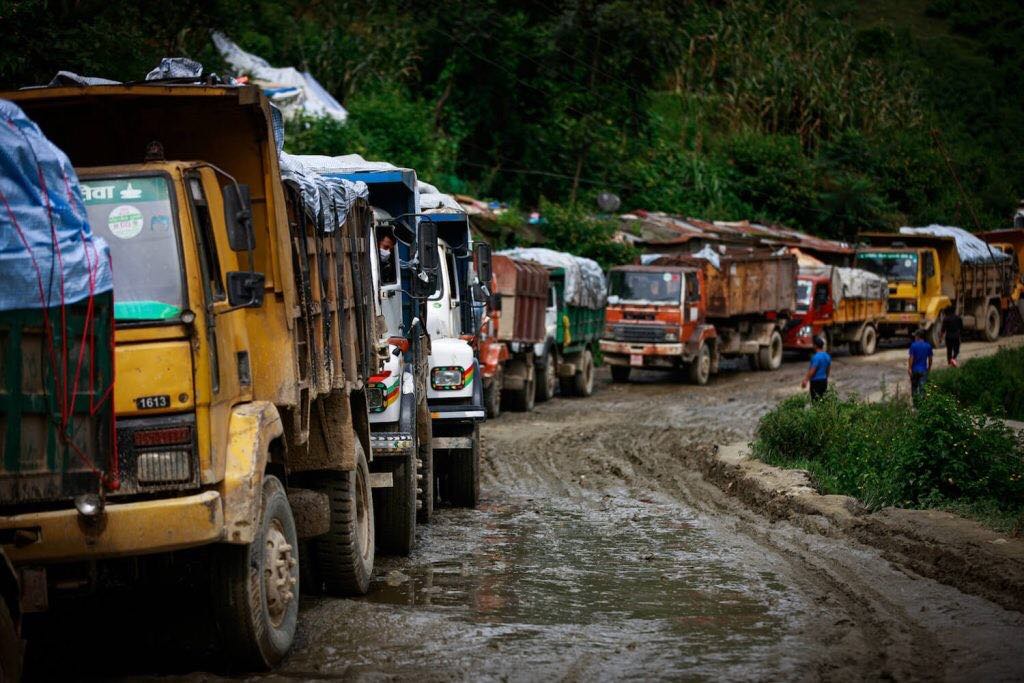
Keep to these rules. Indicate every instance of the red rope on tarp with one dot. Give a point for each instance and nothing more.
(62, 382)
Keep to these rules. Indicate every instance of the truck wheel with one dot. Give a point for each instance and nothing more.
(584, 379)
(770, 357)
(344, 555)
(464, 473)
(492, 394)
(935, 337)
(547, 377)
(699, 369)
(992, 324)
(868, 341)
(394, 509)
(620, 373)
(257, 586)
(521, 400)
(11, 650)
(425, 475)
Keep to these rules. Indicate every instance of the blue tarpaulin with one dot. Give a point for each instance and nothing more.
(48, 253)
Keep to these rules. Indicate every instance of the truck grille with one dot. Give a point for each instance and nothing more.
(639, 333)
(157, 453)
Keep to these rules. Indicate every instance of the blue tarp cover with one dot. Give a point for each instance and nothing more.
(46, 244)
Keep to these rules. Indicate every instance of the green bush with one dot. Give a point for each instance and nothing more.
(889, 454)
(993, 385)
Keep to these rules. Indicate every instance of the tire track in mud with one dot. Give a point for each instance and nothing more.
(870, 618)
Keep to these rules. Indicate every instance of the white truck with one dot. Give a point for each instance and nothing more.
(455, 390)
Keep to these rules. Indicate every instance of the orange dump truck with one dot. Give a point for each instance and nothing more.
(684, 312)
(841, 305)
(515, 323)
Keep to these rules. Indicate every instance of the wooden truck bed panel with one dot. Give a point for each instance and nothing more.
(522, 287)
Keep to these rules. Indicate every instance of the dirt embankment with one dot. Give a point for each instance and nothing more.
(939, 545)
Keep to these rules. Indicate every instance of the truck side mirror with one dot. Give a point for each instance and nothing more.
(238, 217)
(482, 256)
(245, 289)
(425, 277)
(929, 264)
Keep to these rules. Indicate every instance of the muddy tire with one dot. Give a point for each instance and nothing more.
(770, 357)
(547, 377)
(344, 555)
(464, 474)
(583, 382)
(425, 475)
(521, 400)
(620, 373)
(934, 334)
(699, 370)
(868, 341)
(11, 647)
(993, 323)
(492, 394)
(256, 586)
(394, 509)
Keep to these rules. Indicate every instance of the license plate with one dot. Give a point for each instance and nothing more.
(636, 359)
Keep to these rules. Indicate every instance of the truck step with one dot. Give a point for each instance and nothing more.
(452, 442)
(391, 444)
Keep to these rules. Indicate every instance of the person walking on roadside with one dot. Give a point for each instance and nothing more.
(952, 326)
(818, 373)
(919, 364)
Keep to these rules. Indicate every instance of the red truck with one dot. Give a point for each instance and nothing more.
(684, 312)
(842, 305)
(515, 323)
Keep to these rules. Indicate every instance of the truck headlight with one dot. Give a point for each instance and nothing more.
(446, 378)
(805, 331)
(375, 398)
(911, 306)
(671, 336)
(163, 467)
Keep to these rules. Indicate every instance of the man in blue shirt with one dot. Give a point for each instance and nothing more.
(919, 364)
(817, 374)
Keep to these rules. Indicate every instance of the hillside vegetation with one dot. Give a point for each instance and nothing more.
(828, 116)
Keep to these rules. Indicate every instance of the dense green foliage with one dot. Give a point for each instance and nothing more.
(993, 385)
(889, 454)
(829, 116)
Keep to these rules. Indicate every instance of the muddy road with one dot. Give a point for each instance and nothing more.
(597, 555)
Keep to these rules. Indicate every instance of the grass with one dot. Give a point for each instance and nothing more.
(941, 455)
(993, 385)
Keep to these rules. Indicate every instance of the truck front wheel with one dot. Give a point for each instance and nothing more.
(699, 370)
(344, 555)
(584, 380)
(868, 341)
(547, 377)
(464, 473)
(256, 587)
(394, 509)
(935, 337)
(770, 357)
(492, 394)
(992, 324)
(620, 373)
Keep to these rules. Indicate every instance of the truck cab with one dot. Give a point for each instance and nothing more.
(655, 320)
(455, 391)
(814, 310)
(921, 281)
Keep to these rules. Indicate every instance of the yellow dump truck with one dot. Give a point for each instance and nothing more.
(245, 331)
(927, 274)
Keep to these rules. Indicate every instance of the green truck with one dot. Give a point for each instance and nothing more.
(565, 361)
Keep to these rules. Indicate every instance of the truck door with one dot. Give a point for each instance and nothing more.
(227, 343)
(822, 302)
(386, 274)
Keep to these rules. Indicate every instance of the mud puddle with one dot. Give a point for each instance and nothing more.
(536, 587)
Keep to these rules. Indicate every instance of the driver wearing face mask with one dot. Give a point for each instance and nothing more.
(385, 245)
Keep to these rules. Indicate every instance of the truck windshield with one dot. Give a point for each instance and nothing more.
(654, 286)
(135, 217)
(803, 294)
(898, 266)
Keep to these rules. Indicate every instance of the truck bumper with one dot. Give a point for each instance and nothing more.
(653, 356)
(125, 529)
